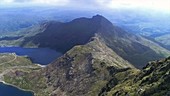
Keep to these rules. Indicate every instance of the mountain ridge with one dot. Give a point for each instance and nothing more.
(92, 64)
(83, 65)
(64, 36)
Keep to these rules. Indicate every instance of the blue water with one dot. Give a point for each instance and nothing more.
(7, 90)
(38, 55)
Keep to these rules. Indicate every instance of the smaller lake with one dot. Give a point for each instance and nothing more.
(38, 55)
(7, 90)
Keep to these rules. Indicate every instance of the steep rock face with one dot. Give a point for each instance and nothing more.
(156, 75)
(153, 80)
(85, 69)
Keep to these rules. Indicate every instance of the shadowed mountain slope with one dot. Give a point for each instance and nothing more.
(64, 36)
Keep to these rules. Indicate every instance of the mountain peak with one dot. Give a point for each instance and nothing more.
(101, 19)
(98, 16)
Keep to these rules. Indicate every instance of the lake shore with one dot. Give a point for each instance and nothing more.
(1, 81)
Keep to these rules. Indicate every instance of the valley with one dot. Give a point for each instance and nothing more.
(67, 51)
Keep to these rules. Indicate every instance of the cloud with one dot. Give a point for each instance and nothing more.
(153, 4)
(84, 1)
(62, 2)
(38, 2)
(53, 2)
(144, 4)
(22, 1)
(88, 3)
(6, 1)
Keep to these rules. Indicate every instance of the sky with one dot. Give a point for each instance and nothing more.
(163, 5)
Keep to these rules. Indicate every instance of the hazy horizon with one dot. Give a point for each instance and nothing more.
(157, 5)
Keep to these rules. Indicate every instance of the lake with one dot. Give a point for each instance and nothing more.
(7, 90)
(41, 56)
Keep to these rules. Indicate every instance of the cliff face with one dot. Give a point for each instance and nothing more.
(152, 80)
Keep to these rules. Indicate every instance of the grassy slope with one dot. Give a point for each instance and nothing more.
(153, 80)
(107, 76)
(13, 67)
(21, 35)
(93, 66)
